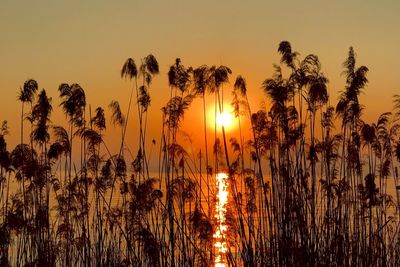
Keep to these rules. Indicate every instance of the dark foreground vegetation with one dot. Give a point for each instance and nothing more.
(314, 185)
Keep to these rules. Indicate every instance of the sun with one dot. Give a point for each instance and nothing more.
(224, 119)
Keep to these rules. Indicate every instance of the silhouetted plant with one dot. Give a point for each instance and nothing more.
(303, 190)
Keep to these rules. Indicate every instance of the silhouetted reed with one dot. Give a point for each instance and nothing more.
(311, 185)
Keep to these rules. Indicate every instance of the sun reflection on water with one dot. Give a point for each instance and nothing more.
(220, 232)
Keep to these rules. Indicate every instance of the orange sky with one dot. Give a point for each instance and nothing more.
(87, 42)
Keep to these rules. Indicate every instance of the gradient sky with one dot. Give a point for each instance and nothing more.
(88, 41)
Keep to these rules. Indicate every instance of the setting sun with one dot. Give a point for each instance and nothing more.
(224, 119)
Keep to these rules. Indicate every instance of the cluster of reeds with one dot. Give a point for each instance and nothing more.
(310, 185)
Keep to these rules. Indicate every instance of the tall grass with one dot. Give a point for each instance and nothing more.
(311, 185)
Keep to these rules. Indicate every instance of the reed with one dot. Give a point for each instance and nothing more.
(311, 184)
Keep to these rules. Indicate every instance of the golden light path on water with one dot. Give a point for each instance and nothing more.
(220, 211)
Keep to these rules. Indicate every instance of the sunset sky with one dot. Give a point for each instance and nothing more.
(87, 42)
